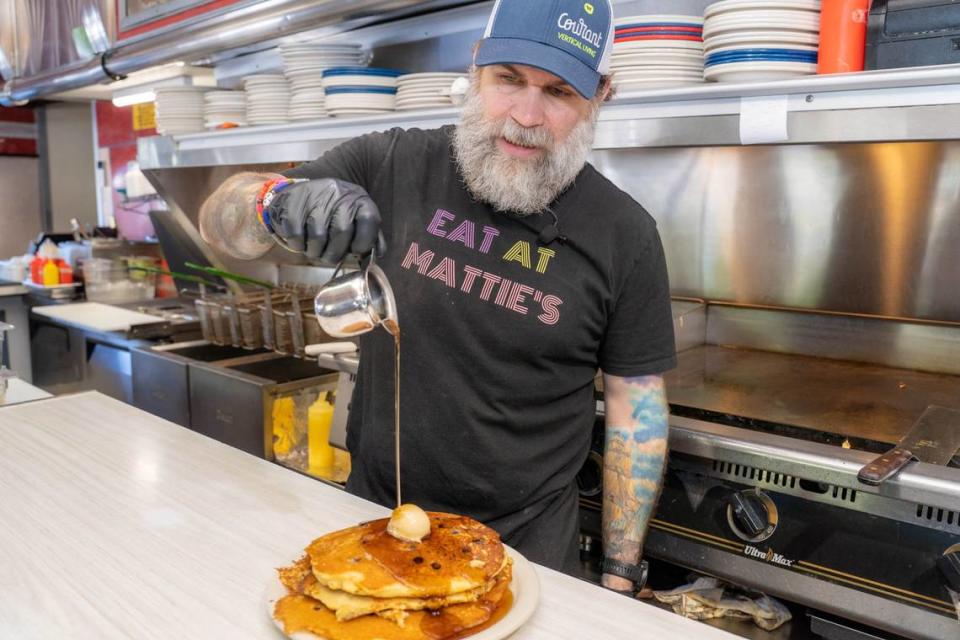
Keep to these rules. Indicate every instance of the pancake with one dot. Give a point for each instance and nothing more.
(298, 612)
(459, 555)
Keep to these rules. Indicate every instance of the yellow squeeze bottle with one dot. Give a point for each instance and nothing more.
(320, 453)
(51, 274)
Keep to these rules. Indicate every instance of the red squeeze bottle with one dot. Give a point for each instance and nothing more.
(36, 270)
(66, 272)
(843, 33)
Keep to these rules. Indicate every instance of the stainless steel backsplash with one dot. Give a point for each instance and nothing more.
(855, 228)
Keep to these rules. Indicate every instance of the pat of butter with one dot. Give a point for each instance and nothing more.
(409, 523)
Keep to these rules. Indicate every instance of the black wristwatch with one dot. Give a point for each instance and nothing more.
(636, 573)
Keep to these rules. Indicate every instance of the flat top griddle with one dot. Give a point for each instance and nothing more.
(808, 397)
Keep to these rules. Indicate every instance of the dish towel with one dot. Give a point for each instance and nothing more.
(710, 598)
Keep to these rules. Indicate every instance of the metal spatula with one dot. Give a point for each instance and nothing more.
(935, 438)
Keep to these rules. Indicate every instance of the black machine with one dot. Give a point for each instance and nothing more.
(912, 33)
(762, 484)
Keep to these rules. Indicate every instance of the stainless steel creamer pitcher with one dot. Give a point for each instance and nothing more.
(355, 303)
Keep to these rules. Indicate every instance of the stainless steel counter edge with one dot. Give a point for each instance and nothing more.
(919, 482)
(13, 290)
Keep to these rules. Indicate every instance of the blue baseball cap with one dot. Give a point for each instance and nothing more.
(572, 39)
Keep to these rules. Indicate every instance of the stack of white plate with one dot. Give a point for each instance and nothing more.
(225, 109)
(179, 110)
(751, 40)
(353, 91)
(425, 90)
(268, 99)
(657, 51)
(304, 64)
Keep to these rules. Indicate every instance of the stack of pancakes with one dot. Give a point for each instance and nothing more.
(362, 582)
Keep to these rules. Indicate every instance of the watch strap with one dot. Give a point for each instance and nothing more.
(636, 573)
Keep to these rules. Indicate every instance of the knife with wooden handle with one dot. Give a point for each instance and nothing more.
(935, 438)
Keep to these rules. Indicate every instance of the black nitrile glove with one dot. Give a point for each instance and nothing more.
(326, 219)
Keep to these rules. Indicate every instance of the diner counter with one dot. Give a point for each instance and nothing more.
(115, 523)
(20, 391)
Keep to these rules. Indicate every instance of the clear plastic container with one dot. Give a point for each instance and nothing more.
(113, 281)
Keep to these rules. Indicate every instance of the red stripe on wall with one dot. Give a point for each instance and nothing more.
(18, 147)
(17, 114)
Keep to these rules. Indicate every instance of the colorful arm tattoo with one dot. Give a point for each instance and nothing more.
(633, 464)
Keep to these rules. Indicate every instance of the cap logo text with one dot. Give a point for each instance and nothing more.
(579, 28)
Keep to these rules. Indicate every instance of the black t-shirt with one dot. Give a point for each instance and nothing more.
(501, 337)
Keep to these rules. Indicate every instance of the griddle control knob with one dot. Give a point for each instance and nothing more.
(752, 515)
(949, 565)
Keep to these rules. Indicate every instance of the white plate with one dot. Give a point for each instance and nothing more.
(658, 65)
(163, 91)
(525, 588)
(347, 113)
(740, 47)
(657, 18)
(426, 107)
(409, 93)
(629, 87)
(179, 103)
(639, 45)
(319, 47)
(783, 21)
(762, 39)
(353, 101)
(406, 81)
(659, 71)
(758, 71)
(359, 81)
(424, 104)
(664, 77)
(726, 6)
(313, 65)
(675, 56)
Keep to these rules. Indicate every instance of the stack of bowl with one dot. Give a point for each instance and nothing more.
(425, 90)
(755, 40)
(225, 109)
(657, 51)
(304, 64)
(268, 99)
(355, 91)
(179, 110)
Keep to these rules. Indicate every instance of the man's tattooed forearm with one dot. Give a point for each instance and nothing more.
(633, 466)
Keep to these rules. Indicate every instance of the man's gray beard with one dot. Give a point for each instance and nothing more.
(514, 185)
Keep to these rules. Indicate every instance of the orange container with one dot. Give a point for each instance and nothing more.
(843, 33)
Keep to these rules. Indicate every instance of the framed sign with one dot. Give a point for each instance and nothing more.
(136, 17)
(133, 13)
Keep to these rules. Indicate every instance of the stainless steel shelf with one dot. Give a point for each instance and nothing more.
(898, 105)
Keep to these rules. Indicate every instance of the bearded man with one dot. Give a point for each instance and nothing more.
(519, 271)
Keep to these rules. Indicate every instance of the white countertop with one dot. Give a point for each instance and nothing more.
(19, 391)
(94, 316)
(117, 524)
